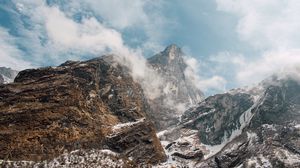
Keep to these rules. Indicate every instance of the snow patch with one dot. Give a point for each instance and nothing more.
(287, 157)
(7, 79)
(269, 126)
(117, 128)
(252, 136)
(265, 162)
(297, 126)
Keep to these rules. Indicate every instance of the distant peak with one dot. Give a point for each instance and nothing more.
(173, 52)
(172, 48)
(171, 55)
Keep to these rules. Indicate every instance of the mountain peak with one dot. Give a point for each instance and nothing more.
(172, 47)
(172, 54)
(173, 51)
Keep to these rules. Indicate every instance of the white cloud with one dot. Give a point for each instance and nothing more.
(145, 15)
(119, 13)
(272, 27)
(116, 16)
(88, 36)
(270, 63)
(91, 36)
(214, 83)
(266, 23)
(9, 53)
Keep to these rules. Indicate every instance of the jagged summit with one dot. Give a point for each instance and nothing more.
(173, 51)
(172, 55)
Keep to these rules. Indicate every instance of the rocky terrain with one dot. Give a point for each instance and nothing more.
(94, 114)
(7, 75)
(87, 105)
(178, 92)
(254, 127)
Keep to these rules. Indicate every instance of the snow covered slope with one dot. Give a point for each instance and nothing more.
(7, 75)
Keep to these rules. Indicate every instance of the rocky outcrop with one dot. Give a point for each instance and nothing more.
(193, 155)
(177, 93)
(7, 75)
(134, 142)
(78, 105)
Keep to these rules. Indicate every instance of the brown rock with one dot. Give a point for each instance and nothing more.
(74, 106)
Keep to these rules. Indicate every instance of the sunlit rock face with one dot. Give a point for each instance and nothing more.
(78, 105)
(177, 92)
(7, 75)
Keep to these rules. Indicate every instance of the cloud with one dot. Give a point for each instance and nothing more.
(266, 23)
(144, 18)
(88, 36)
(91, 36)
(271, 27)
(9, 53)
(269, 63)
(123, 15)
(42, 41)
(214, 83)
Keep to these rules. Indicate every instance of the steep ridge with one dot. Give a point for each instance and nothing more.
(86, 105)
(251, 127)
(7, 75)
(178, 93)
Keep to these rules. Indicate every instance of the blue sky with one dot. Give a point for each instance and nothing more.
(228, 43)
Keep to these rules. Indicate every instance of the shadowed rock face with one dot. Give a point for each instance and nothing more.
(77, 105)
(217, 116)
(280, 104)
(1, 79)
(178, 92)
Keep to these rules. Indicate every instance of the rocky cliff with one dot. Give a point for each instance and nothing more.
(86, 105)
(178, 93)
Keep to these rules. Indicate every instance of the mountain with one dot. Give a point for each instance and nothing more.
(251, 127)
(7, 75)
(178, 92)
(95, 114)
(93, 106)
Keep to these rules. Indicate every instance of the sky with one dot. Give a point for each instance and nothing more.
(228, 43)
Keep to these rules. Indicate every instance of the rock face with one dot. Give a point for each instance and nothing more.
(1, 79)
(178, 93)
(79, 105)
(256, 127)
(7, 75)
(217, 116)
